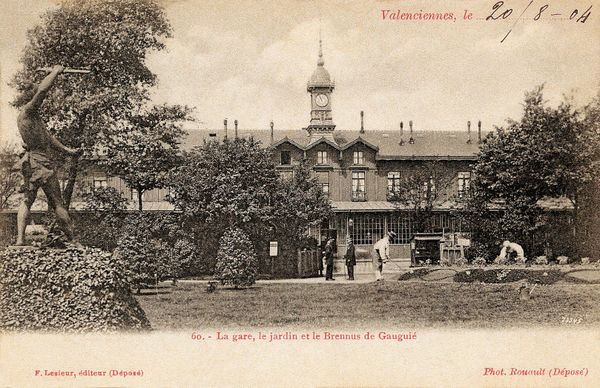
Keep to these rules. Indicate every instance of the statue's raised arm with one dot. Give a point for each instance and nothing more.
(43, 87)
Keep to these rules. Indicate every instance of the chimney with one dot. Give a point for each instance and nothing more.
(225, 125)
(479, 131)
(362, 121)
(401, 133)
(469, 131)
(235, 125)
(272, 125)
(411, 140)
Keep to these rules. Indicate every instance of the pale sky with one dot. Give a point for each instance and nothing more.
(250, 61)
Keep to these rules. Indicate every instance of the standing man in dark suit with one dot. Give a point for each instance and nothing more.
(350, 257)
(329, 259)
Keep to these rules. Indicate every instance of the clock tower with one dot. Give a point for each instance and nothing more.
(320, 86)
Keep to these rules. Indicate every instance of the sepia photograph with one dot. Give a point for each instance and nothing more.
(299, 193)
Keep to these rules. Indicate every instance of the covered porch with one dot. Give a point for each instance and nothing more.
(367, 222)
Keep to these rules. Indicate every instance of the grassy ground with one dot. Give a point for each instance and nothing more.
(391, 303)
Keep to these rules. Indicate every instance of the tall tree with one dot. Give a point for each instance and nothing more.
(549, 153)
(226, 184)
(234, 184)
(230, 182)
(299, 203)
(143, 154)
(419, 191)
(589, 200)
(110, 37)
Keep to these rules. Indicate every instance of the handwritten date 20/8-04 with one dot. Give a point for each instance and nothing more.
(502, 11)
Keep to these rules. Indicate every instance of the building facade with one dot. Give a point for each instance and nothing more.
(360, 170)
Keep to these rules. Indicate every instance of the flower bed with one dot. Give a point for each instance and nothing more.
(508, 275)
(504, 274)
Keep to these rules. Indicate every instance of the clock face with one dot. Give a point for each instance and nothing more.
(321, 100)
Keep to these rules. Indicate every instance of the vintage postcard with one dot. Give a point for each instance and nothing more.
(299, 193)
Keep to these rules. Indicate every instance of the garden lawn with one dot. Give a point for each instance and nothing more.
(392, 303)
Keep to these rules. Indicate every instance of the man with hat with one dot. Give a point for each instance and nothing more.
(329, 248)
(381, 254)
(350, 258)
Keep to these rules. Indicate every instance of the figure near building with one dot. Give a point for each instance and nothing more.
(329, 248)
(39, 163)
(510, 247)
(381, 254)
(350, 257)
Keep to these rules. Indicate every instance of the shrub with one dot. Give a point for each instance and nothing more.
(520, 260)
(237, 264)
(479, 261)
(414, 273)
(541, 260)
(142, 255)
(479, 250)
(500, 260)
(99, 230)
(562, 260)
(585, 260)
(180, 258)
(73, 289)
(103, 218)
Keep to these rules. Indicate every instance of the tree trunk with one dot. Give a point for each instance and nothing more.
(71, 177)
(577, 240)
(140, 194)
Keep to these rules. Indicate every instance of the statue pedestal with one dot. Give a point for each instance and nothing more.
(74, 289)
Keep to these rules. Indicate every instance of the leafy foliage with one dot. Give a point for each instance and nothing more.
(113, 39)
(226, 184)
(550, 152)
(234, 183)
(73, 290)
(103, 199)
(145, 251)
(230, 182)
(144, 153)
(9, 176)
(298, 203)
(420, 190)
(103, 218)
(589, 200)
(157, 246)
(237, 264)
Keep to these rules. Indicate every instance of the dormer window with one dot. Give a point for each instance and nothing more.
(358, 157)
(286, 158)
(322, 157)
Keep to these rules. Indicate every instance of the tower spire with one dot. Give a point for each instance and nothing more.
(320, 62)
(320, 86)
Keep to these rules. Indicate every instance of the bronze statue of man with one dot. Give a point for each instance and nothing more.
(38, 164)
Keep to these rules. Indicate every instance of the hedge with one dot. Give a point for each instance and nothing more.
(71, 290)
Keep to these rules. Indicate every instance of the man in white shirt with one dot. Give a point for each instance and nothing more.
(381, 254)
(508, 247)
